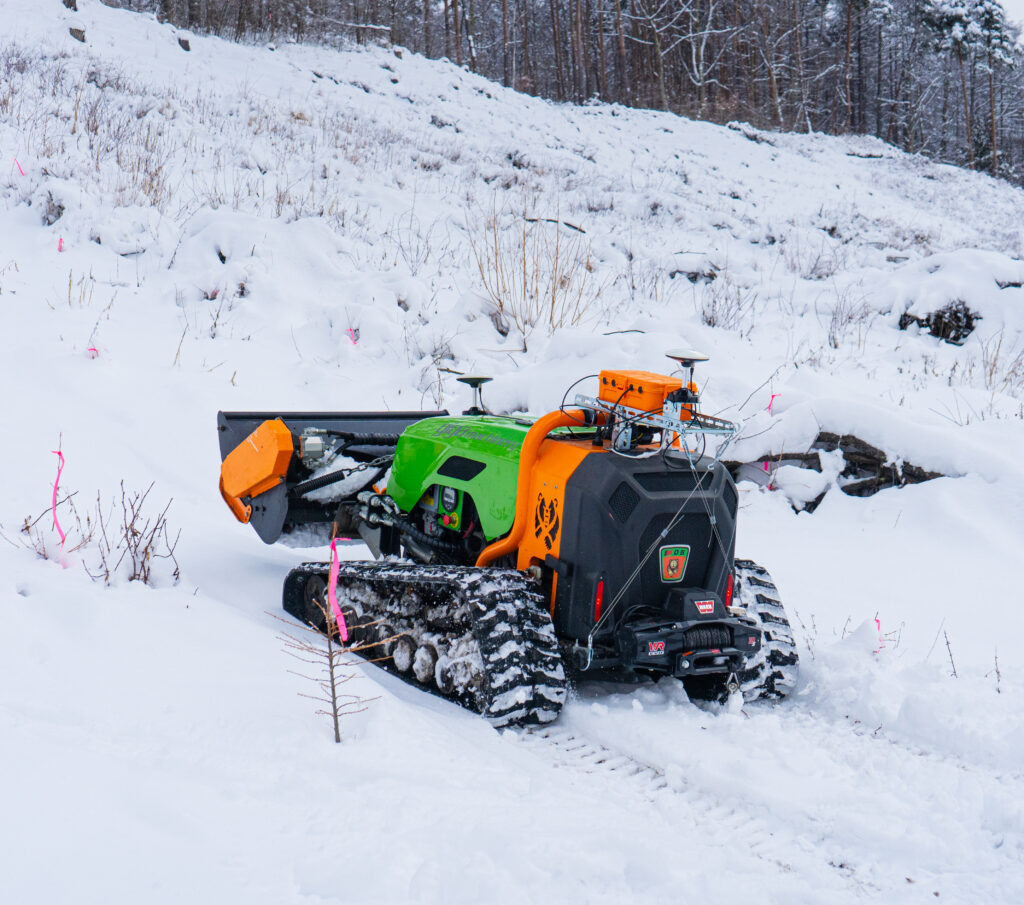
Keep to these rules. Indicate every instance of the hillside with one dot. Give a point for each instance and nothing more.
(258, 228)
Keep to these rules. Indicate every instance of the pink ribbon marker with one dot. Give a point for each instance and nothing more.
(881, 640)
(352, 336)
(92, 352)
(60, 245)
(53, 506)
(18, 165)
(332, 591)
(771, 401)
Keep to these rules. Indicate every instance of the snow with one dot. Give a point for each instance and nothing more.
(233, 218)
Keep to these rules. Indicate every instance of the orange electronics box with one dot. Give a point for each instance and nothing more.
(637, 389)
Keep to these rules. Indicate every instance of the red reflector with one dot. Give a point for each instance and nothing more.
(598, 600)
(728, 590)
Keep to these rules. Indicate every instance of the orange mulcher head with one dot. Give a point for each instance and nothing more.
(258, 464)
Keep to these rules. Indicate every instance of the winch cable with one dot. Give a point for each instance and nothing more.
(693, 470)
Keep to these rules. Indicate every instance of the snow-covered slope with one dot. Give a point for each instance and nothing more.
(253, 228)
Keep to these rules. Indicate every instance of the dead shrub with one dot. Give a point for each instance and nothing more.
(536, 273)
(130, 543)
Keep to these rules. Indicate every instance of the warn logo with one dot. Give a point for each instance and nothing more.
(655, 648)
(705, 607)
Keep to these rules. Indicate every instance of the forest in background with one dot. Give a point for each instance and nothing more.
(937, 77)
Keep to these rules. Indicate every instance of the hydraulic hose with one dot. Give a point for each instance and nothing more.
(527, 457)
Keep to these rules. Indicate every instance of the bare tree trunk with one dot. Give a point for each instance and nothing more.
(992, 116)
(524, 29)
(584, 44)
(505, 59)
(165, 12)
(861, 117)
(558, 50)
(846, 65)
(798, 28)
(458, 32)
(193, 13)
(469, 27)
(878, 88)
(447, 29)
(659, 66)
(623, 64)
(426, 28)
(242, 22)
(967, 109)
(574, 54)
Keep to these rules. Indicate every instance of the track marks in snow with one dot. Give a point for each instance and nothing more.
(845, 808)
(638, 784)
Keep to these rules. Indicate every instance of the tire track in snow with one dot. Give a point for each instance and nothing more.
(635, 781)
(838, 833)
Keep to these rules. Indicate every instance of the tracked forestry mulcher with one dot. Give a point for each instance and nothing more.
(598, 539)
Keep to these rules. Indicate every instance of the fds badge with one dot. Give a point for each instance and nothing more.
(673, 563)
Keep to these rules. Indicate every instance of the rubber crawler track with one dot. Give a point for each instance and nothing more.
(773, 671)
(489, 625)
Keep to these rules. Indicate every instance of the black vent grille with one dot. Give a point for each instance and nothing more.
(623, 501)
(670, 481)
(461, 468)
(730, 497)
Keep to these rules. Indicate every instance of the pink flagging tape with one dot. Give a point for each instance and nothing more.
(352, 336)
(766, 467)
(92, 352)
(771, 401)
(18, 165)
(332, 591)
(56, 484)
(53, 506)
(881, 640)
(60, 245)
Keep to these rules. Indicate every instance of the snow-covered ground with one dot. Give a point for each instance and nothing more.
(230, 220)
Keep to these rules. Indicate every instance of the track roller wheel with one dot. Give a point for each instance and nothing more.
(424, 663)
(314, 596)
(351, 618)
(444, 676)
(403, 652)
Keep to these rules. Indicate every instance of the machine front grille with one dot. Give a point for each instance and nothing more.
(670, 481)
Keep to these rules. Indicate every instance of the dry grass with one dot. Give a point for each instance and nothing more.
(536, 274)
(722, 302)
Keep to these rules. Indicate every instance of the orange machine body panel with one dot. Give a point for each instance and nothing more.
(256, 465)
(556, 461)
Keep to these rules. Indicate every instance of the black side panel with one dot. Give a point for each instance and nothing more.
(615, 510)
(268, 513)
(234, 427)
(461, 468)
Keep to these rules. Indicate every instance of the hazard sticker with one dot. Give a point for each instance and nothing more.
(673, 563)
